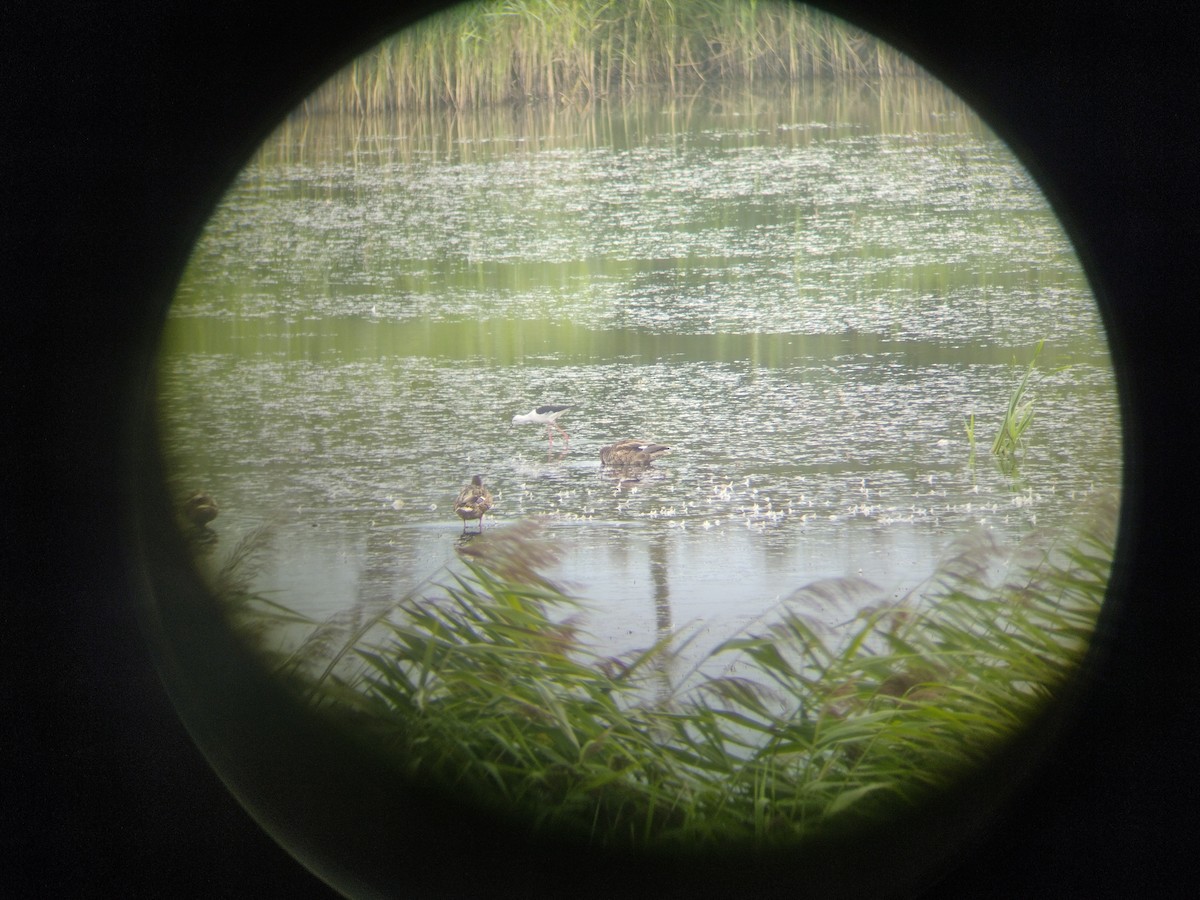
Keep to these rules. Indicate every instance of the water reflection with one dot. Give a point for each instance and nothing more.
(798, 114)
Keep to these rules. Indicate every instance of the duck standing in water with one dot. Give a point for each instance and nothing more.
(545, 415)
(199, 509)
(632, 453)
(473, 501)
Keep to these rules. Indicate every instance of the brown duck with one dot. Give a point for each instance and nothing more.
(473, 501)
(199, 509)
(632, 453)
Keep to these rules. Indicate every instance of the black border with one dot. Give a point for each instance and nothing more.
(121, 125)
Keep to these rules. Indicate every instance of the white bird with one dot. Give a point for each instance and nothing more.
(544, 415)
(632, 452)
(473, 501)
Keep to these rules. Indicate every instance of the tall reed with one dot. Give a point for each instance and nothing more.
(486, 685)
(1019, 414)
(485, 53)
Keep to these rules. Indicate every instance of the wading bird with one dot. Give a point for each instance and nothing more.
(631, 453)
(544, 415)
(199, 509)
(473, 501)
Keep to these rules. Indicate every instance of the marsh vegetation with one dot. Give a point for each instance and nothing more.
(485, 683)
(521, 51)
(743, 230)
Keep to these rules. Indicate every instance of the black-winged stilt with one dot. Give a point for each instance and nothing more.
(544, 415)
(632, 452)
(473, 501)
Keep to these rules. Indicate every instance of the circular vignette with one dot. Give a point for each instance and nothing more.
(322, 824)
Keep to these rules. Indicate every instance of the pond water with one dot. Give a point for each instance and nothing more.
(804, 293)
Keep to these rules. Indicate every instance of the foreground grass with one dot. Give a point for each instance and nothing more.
(485, 684)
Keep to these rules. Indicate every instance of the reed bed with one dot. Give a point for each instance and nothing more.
(573, 51)
(483, 682)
